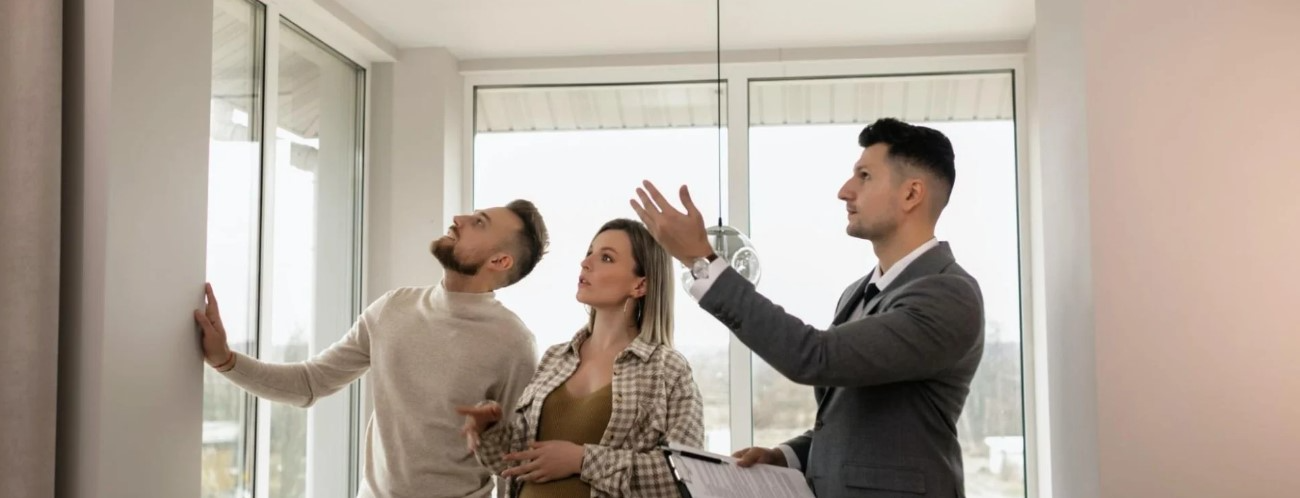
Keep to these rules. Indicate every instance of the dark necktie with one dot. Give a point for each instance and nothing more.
(860, 297)
(870, 293)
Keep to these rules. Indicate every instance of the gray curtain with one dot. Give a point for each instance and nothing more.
(31, 45)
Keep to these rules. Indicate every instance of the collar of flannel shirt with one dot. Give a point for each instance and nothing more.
(640, 347)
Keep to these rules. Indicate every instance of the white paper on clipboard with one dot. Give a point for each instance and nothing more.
(709, 475)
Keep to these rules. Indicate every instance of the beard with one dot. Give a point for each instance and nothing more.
(872, 230)
(446, 255)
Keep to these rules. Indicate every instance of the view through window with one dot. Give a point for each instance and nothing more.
(809, 260)
(579, 152)
(281, 250)
(598, 170)
(234, 193)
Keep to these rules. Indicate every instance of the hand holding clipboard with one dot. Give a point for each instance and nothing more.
(701, 474)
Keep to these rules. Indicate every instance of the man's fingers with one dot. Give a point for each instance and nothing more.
(750, 457)
(470, 430)
(485, 413)
(660, 200)
(649, 205)
(687, 203)
(212, 298)
(641, 213)
(202, 320)
(213, 310)
(470, 411)
(747, 459)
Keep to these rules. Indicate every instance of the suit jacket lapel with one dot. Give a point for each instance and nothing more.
(849, 304)
(931, 262)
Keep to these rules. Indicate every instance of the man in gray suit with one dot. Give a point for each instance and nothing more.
(893, 371)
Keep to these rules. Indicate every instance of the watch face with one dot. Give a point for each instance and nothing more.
(700, 269)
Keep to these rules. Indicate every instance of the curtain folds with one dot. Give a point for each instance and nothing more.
(31, 59)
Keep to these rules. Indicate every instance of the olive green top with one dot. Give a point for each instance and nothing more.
(577, 419)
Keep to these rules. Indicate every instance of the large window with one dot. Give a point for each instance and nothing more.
(283, 234)
(580, 169)
(579, 151)
(234, 193)
(803, 144)
(311, 242)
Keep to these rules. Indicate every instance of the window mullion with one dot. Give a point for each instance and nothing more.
(270, 116)
(737, 202)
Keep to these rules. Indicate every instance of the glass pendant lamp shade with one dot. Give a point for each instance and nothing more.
(733, 246)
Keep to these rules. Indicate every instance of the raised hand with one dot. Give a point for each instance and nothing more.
(681, 234)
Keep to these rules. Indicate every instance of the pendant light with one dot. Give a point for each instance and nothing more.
(728, 242)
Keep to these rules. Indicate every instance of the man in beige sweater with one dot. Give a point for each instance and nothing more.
(428, 350)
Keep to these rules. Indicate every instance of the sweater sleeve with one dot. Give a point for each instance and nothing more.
(510, 434)
(519, 373)
(303, 383)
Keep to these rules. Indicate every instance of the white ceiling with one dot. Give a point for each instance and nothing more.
(479, 29)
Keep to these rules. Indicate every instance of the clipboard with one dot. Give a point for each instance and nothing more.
(700, 474)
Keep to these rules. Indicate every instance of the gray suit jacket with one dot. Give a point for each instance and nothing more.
(890, 384)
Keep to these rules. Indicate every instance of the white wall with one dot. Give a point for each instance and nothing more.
(1168, 232)
(415, 167)
(1193, 146)
(1060, 211)
(137, 76)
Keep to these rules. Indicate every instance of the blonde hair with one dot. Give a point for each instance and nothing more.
(654, 311)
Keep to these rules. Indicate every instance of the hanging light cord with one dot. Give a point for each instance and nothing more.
(718, 32)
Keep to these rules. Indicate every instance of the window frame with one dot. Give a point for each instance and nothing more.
(811, 64)
(354, 414)
(274, 17)
(257, 124)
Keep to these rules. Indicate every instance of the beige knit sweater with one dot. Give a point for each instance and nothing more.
(428, 350)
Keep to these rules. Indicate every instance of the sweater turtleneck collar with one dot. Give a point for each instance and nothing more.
(462, 303)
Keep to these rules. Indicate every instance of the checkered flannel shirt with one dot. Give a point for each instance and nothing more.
(655, 401)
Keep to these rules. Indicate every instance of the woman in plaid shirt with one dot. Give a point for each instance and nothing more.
(600, 406)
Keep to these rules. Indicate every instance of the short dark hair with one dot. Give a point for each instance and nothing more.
(531, 241)
(916, 146)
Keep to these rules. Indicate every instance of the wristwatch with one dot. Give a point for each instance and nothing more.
(700, 267)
